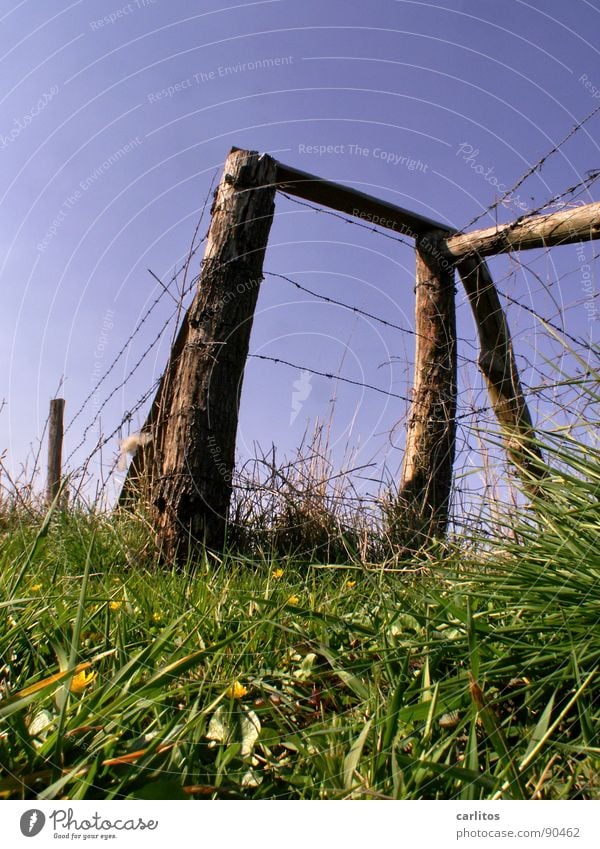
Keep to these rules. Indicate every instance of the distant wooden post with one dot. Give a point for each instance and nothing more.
(184, 464)
(55, 441)
(425, 489)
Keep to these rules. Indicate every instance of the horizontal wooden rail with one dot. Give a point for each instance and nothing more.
(578, 224)
(353, 202)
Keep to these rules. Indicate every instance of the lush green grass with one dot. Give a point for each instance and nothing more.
(472, 677)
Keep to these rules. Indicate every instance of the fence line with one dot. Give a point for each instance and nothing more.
(467, 429)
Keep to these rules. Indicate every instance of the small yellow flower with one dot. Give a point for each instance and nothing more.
(350, 584)
(35, 588)
(82, 680)
(157, 617)
(277, 574)
(293, 599)
(115, 605)
(236, 691)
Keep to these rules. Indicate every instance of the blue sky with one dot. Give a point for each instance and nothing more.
(117, 116)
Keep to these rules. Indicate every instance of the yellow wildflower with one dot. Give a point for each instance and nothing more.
(277, 574)
(82, 680)
(35, 588)
(115, 605)
(350, 584)
(236, 691)
(157, 617)
(293, 599)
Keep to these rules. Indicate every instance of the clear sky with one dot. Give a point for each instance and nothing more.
(117, 116)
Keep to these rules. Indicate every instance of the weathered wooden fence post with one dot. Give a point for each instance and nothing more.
(425, 490)
(185, 468)
(55, 442)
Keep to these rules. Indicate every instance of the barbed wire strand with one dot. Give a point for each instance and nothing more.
(154, 304)
(358, 310)
(337, 377)
(536, 167)
(347, 219)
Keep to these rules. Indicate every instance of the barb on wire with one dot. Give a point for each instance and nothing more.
(120, 385)
(104, 440)
(361, 384)
(356, 309)
(330, 376)
(337, 303)
(165, 291)
(348, 220)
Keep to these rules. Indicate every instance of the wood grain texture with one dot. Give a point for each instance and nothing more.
(55, 443)
(185, 471)
(579, 224)
(426, 481)
(498, 366)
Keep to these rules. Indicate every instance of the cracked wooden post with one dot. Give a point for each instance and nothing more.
(425, 491)
(497, 363)
(184, 464)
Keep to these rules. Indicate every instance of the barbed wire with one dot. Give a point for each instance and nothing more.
(536, 167)
(104, 440)
(338, 377)
(468, 438)
(165, 291)
(117, 358)
(562, 330)
(359, 311)
(125, 380)
(347, 219)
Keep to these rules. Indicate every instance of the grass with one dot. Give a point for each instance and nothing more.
(474, 677)
(470, 672)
